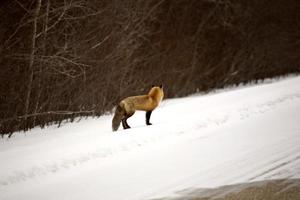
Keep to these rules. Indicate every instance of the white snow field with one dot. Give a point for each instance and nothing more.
(203, 141)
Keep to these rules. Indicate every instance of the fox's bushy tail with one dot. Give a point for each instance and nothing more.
(119, 114)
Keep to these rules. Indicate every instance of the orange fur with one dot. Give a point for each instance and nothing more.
(143, 102)
(129, 105)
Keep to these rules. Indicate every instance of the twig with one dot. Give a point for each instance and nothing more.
(98, 44)
(55, 23)
(21, 5)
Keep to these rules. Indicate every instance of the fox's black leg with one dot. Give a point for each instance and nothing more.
(127, 126)
(124, 124)
(124, 121)
(148, 115)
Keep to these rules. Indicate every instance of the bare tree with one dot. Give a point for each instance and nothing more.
(31, 58)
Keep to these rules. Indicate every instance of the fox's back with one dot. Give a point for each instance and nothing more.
(142, 102)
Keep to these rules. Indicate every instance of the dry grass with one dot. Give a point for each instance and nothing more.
(268, 190)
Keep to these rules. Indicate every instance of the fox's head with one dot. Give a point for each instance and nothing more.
(157, 93)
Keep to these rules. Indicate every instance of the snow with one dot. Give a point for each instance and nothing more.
(202, 141)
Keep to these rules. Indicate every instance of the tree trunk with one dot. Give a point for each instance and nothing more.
(31, 59)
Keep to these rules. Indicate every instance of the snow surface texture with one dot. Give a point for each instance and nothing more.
(242, 135)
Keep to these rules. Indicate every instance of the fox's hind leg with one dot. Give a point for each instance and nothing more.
(124, 124)
(124, 121)
(148, 115)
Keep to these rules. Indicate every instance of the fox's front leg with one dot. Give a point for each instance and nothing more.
(148, 115)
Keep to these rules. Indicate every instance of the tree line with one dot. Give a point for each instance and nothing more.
(64, 59)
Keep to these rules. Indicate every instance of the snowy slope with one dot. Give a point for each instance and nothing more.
(235, 136)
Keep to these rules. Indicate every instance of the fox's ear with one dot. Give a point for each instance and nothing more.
(161, 86)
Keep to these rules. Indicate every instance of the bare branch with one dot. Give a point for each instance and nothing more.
(55, 23)
(31, 61)
(21, 5)
(98, 44)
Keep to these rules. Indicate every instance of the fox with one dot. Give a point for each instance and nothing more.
(127, 107)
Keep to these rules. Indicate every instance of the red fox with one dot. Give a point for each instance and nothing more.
(129, 105)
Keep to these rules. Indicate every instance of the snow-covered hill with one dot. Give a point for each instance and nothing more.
(234, 136)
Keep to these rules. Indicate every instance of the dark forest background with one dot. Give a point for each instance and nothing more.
(62, 59)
